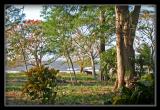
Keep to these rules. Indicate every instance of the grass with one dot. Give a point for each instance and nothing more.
(86, 91)
(82, 94)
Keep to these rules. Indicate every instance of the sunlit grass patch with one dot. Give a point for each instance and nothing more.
(16, 74)
(83, 89)
(82, 94)
(79, 76)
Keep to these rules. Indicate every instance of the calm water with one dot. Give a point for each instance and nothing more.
(60, 65)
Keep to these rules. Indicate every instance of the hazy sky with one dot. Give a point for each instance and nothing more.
(33, 11)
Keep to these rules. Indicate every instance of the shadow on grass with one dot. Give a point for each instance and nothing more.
(90, 99)
(87, 99)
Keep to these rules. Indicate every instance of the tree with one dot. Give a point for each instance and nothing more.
(109, 61)
(88, 46)
(126, 23)
(144, 58)
(99, 31)
(81, 57)
(120, 11)
(129, 36)
(28, 41)
(80, 17)
(58, 28)
(84, 22)
(86, 29)
(106, 19)
(15, 48)
(146, 28)
(35, 42)
(13, 17)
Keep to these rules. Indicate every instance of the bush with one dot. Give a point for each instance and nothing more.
(122, 96)
(143, 93)
(41, 84)
(145, 90)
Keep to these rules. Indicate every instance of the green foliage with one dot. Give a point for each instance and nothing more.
(41, 84)
(62, 22)
(145, 52)
(108, 59)
(144, 58)
(143, 93)
(14, 16)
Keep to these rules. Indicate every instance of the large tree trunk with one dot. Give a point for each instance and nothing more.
(102, 45)
(120, 45)
(131, 20)
(126, 23)
(133, 24)
(128, 46)
(102, 49)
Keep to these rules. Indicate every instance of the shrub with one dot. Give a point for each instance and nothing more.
(144, 90)
(122, 96)
(143, 93)
(41, 84)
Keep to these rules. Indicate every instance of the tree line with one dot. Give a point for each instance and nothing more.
(81, 33)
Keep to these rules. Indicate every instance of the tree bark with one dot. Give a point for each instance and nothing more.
(126, 23)
(128, 45)
(120, 45)
(72, 68)
(131, 20)
(81, 69)
(102, 45)
(102, 49)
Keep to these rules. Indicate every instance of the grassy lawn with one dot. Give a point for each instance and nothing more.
(87, 91)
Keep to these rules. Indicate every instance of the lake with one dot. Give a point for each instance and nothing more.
(59, 65)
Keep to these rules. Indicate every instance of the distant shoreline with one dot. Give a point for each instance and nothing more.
(8, 71)
(58, 65)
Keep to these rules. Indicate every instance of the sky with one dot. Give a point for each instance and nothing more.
(33, 11)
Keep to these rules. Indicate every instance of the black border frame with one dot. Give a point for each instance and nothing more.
(2, 56)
